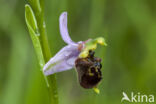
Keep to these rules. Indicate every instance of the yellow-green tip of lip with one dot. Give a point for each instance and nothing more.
(96, 90)
(101, 41)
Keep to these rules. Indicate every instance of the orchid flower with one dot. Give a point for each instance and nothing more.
(66, 57)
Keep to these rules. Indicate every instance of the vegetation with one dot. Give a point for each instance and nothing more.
(129, 28)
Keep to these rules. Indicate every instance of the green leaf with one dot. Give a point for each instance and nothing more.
(34, 33)
(36, 5)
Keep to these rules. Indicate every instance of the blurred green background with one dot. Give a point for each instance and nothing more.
(129, 60)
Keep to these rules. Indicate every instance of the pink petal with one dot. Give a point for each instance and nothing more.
(63, 60)
(64, 29)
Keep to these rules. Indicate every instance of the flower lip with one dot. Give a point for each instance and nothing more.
(89, 70)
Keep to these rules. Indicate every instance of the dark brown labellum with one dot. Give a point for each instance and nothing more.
(89, 70)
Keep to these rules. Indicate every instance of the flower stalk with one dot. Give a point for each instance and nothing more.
(34, 15)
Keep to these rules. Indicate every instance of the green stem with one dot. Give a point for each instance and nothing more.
(47, 56)
(38, 8)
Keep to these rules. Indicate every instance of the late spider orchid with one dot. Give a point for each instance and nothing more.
(76, 54)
